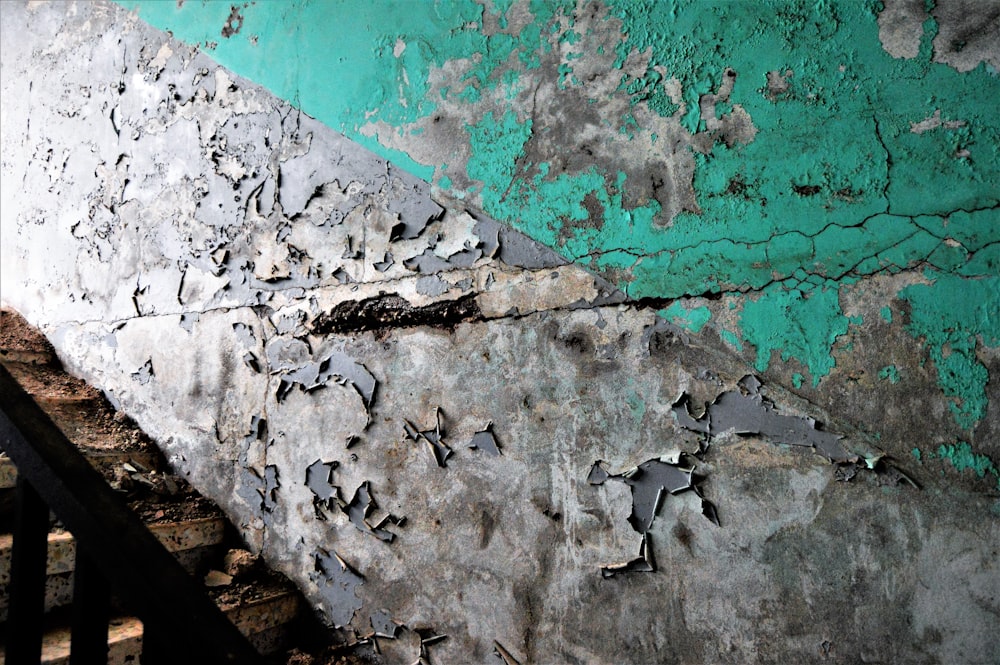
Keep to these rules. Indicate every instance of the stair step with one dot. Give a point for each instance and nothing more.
(187, 539)
(98, 458)
(260, 620)
(20, 342)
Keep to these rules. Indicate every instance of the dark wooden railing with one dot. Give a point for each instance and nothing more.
(115, 553)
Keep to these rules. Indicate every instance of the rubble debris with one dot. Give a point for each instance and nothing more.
(383, 625)
(503, 654)
(362, 506)
(746, 411)
(434, 438)
(486, 441)
(644, 563)
(392, 311)
(336, 582)
(239, 562)
(217, 578)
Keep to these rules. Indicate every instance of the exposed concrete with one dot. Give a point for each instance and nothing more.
(334, 351)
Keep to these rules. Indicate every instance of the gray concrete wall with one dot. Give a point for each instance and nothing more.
(317, 340)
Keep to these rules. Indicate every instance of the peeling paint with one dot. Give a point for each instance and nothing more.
(865, 73)
(337, 583)
(746, 411)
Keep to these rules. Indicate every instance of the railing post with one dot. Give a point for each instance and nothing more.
(27, 579)
(91, 609)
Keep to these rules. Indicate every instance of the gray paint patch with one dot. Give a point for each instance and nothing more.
(432, 286)
(434, 438)
(144, 373)
(383, 625)
(649, 483)
(337, 582)
(747, 412)
(486, 441)
(319, 480)
(360, 509)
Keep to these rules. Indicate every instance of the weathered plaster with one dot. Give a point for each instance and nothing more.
(622, 135)
(307, 330)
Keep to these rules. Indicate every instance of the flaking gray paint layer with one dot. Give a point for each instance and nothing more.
(400, 402)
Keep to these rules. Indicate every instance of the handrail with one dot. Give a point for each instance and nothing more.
(177, 615)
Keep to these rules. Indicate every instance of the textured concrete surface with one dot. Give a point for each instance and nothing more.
(324, 343)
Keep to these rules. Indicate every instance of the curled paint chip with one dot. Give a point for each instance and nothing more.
(383, 625)
(269, 493)
(598, 474)
(503, 654)
(144, 373)
(486, 441)
(313, 375)
(361, 507)
(319, 480)
(385, 263)
(643, 563)
(434, 438)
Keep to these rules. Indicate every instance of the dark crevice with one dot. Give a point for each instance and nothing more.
(391, 311)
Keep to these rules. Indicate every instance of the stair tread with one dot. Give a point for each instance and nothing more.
(275, 609)
(80, 411)
(18, 337)
(175, 536)
(125, 633)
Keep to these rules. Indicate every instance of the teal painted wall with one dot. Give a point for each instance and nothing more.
(855, 164)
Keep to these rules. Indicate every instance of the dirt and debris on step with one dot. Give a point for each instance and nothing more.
(20, 342)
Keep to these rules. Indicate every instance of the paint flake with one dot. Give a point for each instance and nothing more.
(643, 563)
(503, 654)
(649, 482)
(336, 582)
(486, 441)
(360, 509)
(746, 411)
(383, 624)
(434, 438)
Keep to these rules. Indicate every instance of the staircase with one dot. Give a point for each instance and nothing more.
(263, 605)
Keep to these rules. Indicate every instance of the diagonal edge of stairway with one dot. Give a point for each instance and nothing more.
(263, 604)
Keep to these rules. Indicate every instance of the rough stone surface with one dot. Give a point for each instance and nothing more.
(315, 338)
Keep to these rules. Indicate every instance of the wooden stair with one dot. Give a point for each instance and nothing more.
(263, 605)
